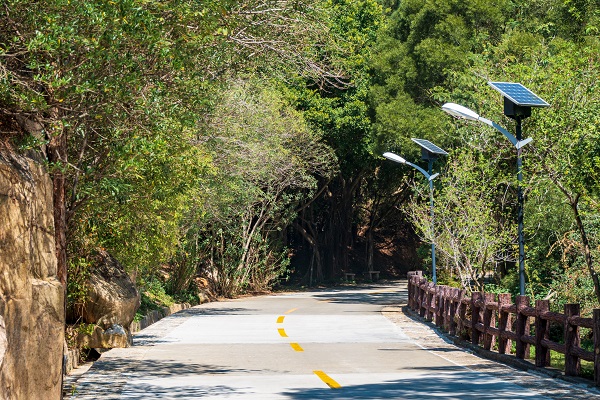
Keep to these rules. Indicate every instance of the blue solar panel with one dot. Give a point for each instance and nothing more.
(430, 147)
(518, 94)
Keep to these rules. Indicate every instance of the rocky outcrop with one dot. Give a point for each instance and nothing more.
(111, 304)
(31, 297)
(114, 337)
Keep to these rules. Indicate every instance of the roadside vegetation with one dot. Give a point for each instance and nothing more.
(230, 146)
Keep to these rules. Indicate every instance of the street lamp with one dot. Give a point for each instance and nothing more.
(518, 101)
(430, 152)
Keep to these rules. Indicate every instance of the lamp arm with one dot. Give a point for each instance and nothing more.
(500, 129)
(421, 170)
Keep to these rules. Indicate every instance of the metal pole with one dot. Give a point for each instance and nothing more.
(520, 214)
(433, 271)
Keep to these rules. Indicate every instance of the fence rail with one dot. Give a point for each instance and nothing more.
(493, 322)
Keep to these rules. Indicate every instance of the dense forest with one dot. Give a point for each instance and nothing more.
(241, 141)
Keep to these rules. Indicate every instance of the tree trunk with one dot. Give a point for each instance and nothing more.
(339, 239)
(57, 156)
(586, 247)
(316, 254)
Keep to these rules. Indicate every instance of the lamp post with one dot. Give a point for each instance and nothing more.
(518, 101)
(430, 178)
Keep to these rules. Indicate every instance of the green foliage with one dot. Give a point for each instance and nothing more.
(435, 52)
(564, 156)
(266, 161)
(471, 232)
(183, 149)
(153, 297)
(85, 329)
(77, 289)
(121, 91)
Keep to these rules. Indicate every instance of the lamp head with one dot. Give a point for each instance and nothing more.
(458, 111)
(394, 157)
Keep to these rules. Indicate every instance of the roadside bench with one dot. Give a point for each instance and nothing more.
(373, 275)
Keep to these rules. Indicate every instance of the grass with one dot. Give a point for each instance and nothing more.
(154, 297)
(557, 360)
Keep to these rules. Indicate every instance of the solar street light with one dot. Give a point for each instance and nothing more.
(459, 111)
(518, 101)
(429, 152)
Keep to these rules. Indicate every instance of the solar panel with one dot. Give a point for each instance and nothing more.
(518, 94)
(430, 147)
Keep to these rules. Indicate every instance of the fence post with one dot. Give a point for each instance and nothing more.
(522, 348)
(439, 307)
(422, 296)
(413, 292)
(572, 339)
(489, 319)
(410, 292)
(596, 331)
(430, 301)
(437, 310)
(504, 323)
(542, 354)
(448, 291)
(452, 311)
(414, 278)
(476, 298)
(462, 315)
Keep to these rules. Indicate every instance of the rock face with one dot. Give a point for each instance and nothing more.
(112, 302)
(3, 342)
(31, 298)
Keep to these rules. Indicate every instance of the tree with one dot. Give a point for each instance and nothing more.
(421, 49)
(472, 232)
(91, 81)
(567, 147)
(267, 161)
(562, 72)
(328, 224)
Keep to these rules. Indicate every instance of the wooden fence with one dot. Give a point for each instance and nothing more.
(493, 322)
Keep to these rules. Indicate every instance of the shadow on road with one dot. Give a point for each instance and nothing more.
(198, 311)
(147, 391)
(166, 368)
(443, 385)
(352, 297)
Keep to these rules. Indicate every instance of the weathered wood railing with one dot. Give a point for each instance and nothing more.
(493, 322)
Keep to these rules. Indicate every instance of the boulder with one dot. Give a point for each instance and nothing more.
(114, 337)
(112, 295)
(31, 297)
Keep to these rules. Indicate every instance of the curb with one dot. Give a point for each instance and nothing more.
(157, 315)
(72, 356)
(70, 361)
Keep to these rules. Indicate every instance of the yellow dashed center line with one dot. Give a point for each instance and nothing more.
(327, 379)
(296, 347)
(322, 375)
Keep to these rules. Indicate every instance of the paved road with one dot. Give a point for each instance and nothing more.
(330, 344)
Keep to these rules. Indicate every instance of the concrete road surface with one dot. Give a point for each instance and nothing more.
(324, 344)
